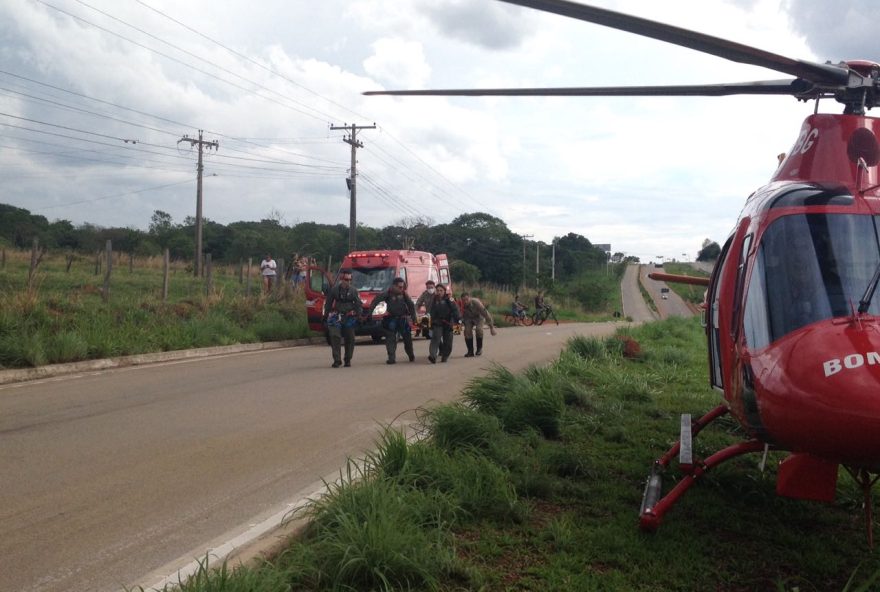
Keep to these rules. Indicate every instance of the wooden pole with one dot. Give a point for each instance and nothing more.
(209, 275)
(166, 260)
(69, 262)
(279, 275)
(97, 262)
(247, 289)
(109, 250)
(34, 262)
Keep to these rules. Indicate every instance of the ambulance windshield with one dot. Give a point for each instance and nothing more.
(810, 267)
(371, 279)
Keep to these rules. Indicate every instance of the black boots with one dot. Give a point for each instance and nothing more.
(479, 346)
(469, 342)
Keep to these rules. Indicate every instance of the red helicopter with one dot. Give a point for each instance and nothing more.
(790, 310)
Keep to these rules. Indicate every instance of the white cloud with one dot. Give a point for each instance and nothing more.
(398, 63)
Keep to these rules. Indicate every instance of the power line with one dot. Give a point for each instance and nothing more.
(182, 63)
(73, 203)
(251, 60)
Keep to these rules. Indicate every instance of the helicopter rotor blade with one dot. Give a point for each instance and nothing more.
(737, 52)
(794, 86)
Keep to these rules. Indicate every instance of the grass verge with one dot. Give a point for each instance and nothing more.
(532, 481)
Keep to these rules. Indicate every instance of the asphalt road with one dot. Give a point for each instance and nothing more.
(673, 305)
(634, 305)
(106, 478)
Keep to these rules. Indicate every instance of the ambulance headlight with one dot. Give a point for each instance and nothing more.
(381, 308)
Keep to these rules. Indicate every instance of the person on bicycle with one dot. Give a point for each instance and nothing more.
(539, 302)
(517, 308)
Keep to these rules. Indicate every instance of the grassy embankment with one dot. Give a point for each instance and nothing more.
(533, 481)
(63, 318)
(689, 293)
(593, 296)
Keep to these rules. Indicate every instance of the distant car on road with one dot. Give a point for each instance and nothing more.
(664, 293)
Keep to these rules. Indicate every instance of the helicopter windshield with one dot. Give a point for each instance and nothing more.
(809, 267)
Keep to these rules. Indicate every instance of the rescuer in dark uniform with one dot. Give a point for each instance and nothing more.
(399, 312)
(444, 314)
(341, 312)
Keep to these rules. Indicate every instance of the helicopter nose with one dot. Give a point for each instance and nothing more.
(818, 391)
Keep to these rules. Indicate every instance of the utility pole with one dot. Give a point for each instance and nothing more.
(537, 264)
(524, 237)
(197, 268)
(352, 181)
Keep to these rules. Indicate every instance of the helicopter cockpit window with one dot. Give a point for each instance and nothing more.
(809, 267)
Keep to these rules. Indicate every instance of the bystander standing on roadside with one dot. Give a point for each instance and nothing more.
(267, 270)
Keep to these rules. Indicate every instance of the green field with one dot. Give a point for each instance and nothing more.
(688, 292)
(533, 482)
(63, 316)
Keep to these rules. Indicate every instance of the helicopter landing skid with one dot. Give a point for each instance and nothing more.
(866, 481)
(653, 506)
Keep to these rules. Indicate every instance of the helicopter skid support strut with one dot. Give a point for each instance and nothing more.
(653, 506)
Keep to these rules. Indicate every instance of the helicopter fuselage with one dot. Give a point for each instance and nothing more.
(798, 365)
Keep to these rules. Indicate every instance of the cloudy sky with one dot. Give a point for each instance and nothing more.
(96, 94)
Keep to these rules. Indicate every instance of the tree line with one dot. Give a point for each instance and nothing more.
(481, 246)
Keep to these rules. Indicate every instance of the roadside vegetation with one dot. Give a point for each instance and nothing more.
(594, 295)
(689, 293)
(532, 481)
(63, 317)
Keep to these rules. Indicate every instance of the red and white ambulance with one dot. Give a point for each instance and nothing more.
(372, 273)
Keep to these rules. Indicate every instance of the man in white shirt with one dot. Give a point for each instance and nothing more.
(267, 269)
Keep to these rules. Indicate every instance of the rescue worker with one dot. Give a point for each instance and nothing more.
(426, 297)
(396, 322)
(472, 315)
(341, 312)
(444, 314)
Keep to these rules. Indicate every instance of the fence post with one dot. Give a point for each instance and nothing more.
(209, 276)
(70, 257)
(279, 275)
(166, 260)
(247, 288)
(97, 262)
(106, 293)
(34, 262)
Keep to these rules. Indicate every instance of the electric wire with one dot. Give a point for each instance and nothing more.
(145, 189)
(251, 60)
(178, 61)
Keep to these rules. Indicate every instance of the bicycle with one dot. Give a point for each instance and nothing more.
(523, 319)
(543, 314)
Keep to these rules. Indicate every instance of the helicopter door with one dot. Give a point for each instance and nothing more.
(713, 319)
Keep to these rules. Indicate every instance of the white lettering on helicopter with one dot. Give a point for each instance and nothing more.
(851, 362)
(805, 141)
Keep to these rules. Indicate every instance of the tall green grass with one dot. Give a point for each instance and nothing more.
(520, 486)
(64, 318)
